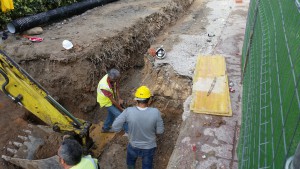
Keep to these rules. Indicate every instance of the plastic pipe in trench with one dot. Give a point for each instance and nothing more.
(25, 23)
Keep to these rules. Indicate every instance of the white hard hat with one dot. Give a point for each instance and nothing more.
(67, 44)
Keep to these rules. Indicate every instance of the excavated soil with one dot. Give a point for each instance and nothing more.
(116, 35)
(169, 95)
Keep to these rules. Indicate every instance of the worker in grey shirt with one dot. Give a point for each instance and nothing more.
(143, 124)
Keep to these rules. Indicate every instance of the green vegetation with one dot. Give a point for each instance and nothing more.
(30, 7)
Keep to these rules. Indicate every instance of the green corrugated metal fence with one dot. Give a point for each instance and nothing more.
(270, 129)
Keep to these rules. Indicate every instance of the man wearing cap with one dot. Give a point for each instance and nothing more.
(143, 124)
(107, 95)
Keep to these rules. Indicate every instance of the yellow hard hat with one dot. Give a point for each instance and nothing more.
(142, 93)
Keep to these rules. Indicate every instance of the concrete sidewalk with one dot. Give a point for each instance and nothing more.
(207, 141)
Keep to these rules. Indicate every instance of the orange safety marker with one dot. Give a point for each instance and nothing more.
(152, 52)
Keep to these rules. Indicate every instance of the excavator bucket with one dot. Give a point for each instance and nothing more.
(49, 163)
(35, 142)
(100, 139)
(37, 147)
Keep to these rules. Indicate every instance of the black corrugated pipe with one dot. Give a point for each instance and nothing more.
(25, 23)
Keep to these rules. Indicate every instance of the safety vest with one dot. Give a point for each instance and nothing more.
(101, 98)
(86, 162)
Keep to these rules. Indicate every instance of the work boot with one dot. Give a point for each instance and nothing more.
(130, 167)
(106, 130)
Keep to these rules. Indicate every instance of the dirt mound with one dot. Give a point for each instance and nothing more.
(72, 76)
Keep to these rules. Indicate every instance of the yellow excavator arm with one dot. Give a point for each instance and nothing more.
(18, 85)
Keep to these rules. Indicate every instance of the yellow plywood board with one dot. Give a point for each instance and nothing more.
(210, 87)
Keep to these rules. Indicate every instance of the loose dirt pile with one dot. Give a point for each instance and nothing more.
(116, 35)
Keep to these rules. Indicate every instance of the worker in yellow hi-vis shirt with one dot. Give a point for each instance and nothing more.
(70, 156)
(6, 5)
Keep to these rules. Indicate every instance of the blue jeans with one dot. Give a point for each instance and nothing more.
(146, 154)
(112, 113)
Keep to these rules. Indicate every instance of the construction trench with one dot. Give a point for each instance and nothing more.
(119, 35)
